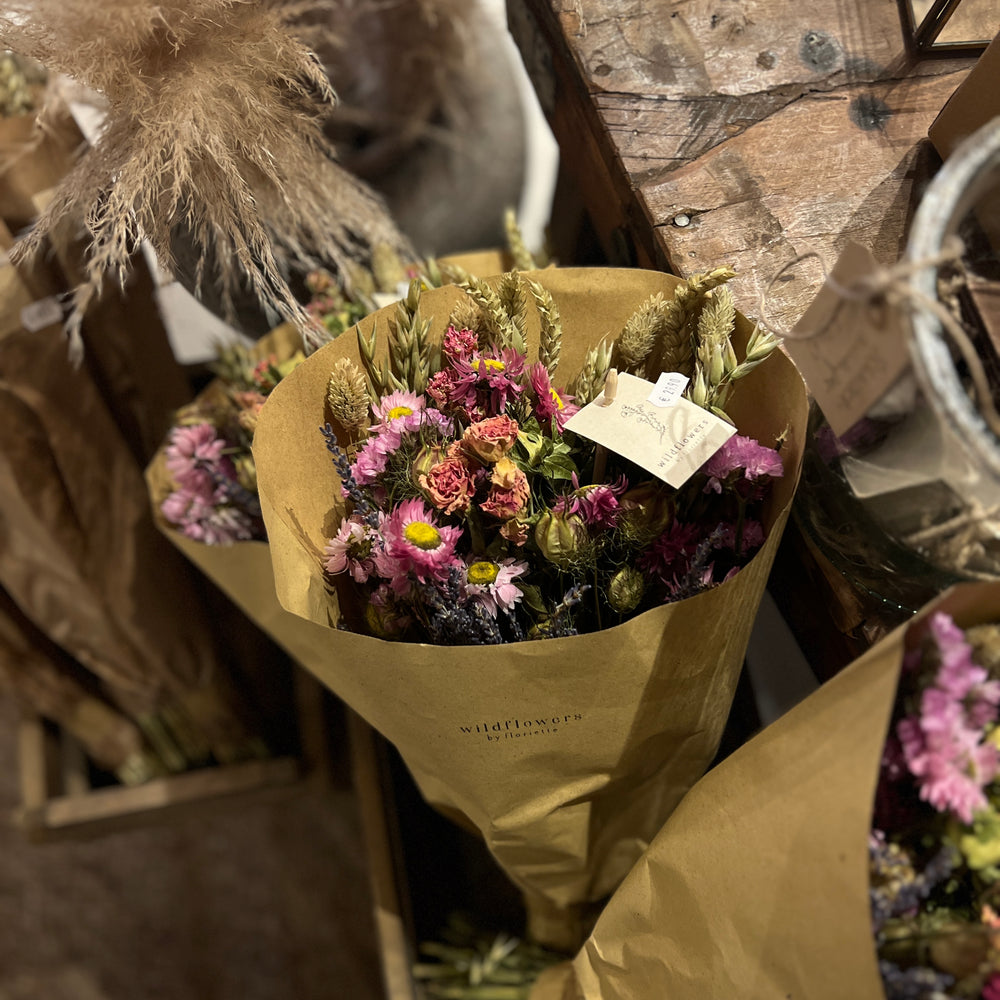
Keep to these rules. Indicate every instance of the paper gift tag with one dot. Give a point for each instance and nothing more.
(671, 442)
(848, 351)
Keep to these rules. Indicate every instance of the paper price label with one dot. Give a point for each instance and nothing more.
(848, 351)
(668, 388)
(672, 443)
(40, 314)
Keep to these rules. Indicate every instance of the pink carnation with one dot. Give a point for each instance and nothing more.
(449, 485)
(459, 343)
(509, 491)
(741, 453)
(489, 440)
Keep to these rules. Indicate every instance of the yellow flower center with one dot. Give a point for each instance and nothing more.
(425, 536)
(482, 573)
(555, 398)
(399, 411)
(492, 363)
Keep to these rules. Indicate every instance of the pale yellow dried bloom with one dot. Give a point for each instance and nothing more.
(213, 126)
(347, 395)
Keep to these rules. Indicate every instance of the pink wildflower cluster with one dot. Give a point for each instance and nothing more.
(742, 464)
(475, 518)
(206, 504)
(944, 745)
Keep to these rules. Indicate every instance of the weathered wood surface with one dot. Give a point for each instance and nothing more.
(739, 131)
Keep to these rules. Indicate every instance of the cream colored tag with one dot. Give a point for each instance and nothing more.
(42, 313)
(848, 350)
(671, 442)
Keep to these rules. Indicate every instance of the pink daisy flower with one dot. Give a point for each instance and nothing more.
(398, 410)
(416, 546)
(491, 583)
(352, 550)
(548, 402)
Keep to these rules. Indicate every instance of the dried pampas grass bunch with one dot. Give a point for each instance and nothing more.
(214, 124)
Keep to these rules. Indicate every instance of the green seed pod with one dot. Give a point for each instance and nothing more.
(626, 589)
(559, 536)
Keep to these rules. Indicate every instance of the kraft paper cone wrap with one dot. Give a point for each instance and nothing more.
(757, 886)
(242, 571)
(622, 722)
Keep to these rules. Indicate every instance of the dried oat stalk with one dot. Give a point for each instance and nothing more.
(674, 346)
(590, 382)
(550, 340)
(214, 124)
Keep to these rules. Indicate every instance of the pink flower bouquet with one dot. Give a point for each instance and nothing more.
(549, 633)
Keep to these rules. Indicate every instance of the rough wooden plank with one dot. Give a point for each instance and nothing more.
(392, 921)
(746, 132)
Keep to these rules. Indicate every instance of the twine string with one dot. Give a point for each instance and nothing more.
(891, 286)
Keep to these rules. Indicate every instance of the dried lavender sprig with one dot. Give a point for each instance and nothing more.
(236, 492)
(363, 507)
(694, 579)
(915, 983)
(453, 619)
(560, 622)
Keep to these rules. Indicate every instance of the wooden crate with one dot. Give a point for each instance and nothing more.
(59, 799)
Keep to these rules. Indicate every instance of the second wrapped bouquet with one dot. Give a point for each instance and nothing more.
(550, 632)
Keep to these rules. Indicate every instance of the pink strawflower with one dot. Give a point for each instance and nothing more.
(449, 485)
(991, 988)
(943, 745)
(485, 381)
(489, 440)
(548, 402)
(398, 413)
(416, 546)
(207, 522)
(458, 343)
(352, 550)
(508, 493)
(491, 583)
(740, 462)
(193, 450)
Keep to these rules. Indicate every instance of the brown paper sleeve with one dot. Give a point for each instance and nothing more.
(757, 886)
(567, 754)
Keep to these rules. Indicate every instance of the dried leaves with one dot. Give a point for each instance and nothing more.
(214, 122)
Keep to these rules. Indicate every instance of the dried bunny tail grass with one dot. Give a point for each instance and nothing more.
(347, 395)
(214, 123)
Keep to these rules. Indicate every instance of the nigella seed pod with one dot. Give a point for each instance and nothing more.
(626, 589)
(426, 459)
(558, 537)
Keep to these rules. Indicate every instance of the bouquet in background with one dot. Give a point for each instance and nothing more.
(566, 754)
(935, 844)
(850, 849)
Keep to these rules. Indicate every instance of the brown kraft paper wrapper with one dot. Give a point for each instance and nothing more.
(566, 754)
(757, 886)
